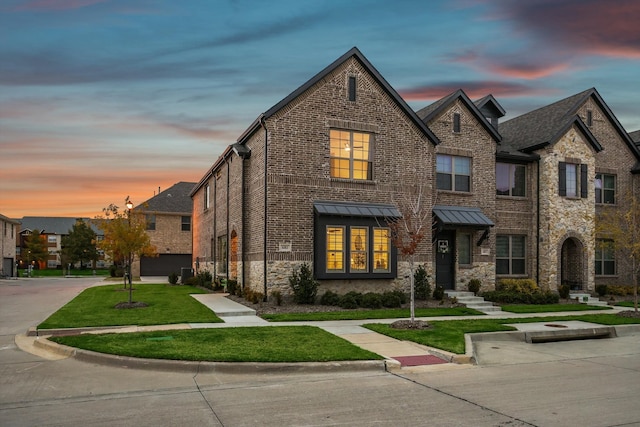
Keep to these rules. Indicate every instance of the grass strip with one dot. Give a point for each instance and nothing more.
(240, 344)
(449, 334)
(550, 308)
(166, 305)
(391, 313)
(625, 304)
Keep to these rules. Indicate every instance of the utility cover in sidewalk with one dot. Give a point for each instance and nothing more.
(420, 360)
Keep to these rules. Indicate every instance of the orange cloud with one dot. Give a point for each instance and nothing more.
(474, 90)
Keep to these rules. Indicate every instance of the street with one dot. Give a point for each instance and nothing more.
(594, 383)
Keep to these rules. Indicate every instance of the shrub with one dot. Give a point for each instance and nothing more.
(390, 299)
(348, 301)
(522, 286)
(422, 287)
(192, 281)
(330, 298)
(564, 291)
(205, 279)
(507, 297)
(232, 285)
(438, 293)
(601, 290)
(620, 290)
(278, 297)
(544, 297)
(474, 286)
(256, 297)
(173, 278)
(357, 296)
(403, 297)
(304, 286)
(371, 300)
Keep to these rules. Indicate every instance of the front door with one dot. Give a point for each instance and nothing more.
(445, 249)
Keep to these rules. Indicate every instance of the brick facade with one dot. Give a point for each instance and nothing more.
(287, 152)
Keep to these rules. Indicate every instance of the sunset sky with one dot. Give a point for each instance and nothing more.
(100, 99)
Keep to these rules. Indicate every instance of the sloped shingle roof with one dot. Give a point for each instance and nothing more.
(174, 199)
(54, 225)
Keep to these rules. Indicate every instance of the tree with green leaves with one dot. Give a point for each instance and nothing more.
(125, 237)
(35, 248)
(80, 244)
(618, 230)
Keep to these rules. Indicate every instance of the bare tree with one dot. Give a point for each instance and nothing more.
(408, 231)
(619, 230)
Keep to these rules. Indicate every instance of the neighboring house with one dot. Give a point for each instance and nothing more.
(53, 229)
(316, 178)
(168, 216)
(9, 229)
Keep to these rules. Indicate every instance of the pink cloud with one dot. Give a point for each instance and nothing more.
(41, 5)
(474, 90)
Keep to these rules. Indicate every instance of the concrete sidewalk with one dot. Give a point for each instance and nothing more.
(398, 354)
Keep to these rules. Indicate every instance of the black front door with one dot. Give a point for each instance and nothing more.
(445, 249)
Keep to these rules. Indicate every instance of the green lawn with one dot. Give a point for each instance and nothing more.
(549, 308)
(449, 335)
(166, 305)
(390, 313)
(53, 272)
(625, 304)
(241, 344)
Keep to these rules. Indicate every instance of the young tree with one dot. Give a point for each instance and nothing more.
(620, 229)
(80, 244)
(36, 247)
(408, 231)
(125, 236)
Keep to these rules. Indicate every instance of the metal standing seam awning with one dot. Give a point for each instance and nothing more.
(356, 209)
(463, 217)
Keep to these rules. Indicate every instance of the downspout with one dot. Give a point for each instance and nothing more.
(264, 248)
(538, 221)
(228, 231)
(214, 238)
(242, 220)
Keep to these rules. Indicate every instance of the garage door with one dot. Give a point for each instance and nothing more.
(165, 264)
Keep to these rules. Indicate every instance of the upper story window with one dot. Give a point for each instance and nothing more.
(453, 173)
(510, 179)
(186, 223)
(605, 188)
(589, 118)
(350, 154)
(572, 180)
(151, 221)
(207, 196)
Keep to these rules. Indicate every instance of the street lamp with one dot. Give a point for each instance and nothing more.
(129, 205)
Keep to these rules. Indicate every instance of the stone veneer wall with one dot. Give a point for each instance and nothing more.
(565, 218)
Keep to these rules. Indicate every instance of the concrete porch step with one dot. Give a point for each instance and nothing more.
(471, 301)
(585, 298)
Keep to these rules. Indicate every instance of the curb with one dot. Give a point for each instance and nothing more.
(199, 366)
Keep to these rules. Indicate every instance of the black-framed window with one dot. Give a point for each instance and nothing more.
(185, 223)
(605, 258)
(589, 118)
(352, 248)
(151, 221)
(510, 255)
(573, 180)
(511, 179)
(464, 249)
(207, 196)
(350, 154)
(352, 88)
(605, 189)
(453, 173)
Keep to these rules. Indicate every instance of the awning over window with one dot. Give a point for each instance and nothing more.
(356, 209)
(462, 216)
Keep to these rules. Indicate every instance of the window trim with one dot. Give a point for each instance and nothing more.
(324, 222)
(512, 176)
(467, 238)
(184, 223)
(150, 220)
(456, 123)
(351, 88)
(600, 260)
(350, 148)
(510, 257)
(453, 173)
(602, 189)
(582, 182)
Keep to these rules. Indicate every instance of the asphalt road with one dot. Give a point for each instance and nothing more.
(582, 383)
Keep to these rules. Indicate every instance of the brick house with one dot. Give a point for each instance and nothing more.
(168, 217)
(9, 229)
(317, 177)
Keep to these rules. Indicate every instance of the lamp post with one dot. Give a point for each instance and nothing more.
(129, 205)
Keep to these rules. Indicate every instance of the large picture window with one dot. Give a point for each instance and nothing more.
(350, 154)
(510, 255)
(605, 258)
(353, 248)
(605, 188)
(453, 173)
(510, 179)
